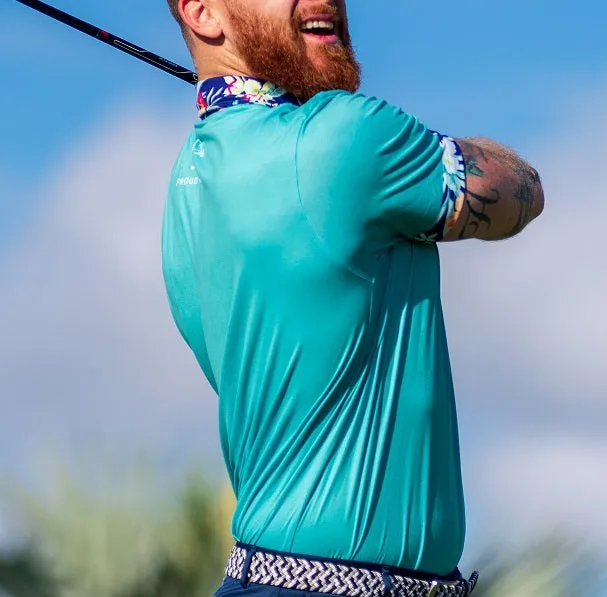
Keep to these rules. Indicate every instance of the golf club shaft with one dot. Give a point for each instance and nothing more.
(121, 44)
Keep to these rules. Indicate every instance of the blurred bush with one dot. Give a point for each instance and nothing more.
(553, 567)
(130, 542)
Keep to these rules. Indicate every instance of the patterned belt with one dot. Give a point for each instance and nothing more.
(290, 572)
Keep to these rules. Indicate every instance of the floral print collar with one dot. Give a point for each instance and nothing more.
(220, 93)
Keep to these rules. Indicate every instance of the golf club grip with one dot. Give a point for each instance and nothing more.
(120, 44)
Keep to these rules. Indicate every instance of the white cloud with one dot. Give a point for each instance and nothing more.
(88, 347)
(528, 338)
(526, 316)
(546, 484)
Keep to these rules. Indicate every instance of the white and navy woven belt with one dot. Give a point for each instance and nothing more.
(251, 565)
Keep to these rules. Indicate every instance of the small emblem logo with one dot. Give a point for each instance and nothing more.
(198, 149)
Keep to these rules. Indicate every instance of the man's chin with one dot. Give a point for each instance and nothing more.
(319, 62)
(322, 55)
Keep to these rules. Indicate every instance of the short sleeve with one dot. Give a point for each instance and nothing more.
(403, 178)
(453, 188)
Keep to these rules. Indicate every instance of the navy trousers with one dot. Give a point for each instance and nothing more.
(234, 588)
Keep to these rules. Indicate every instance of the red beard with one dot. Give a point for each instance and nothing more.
(278, 52)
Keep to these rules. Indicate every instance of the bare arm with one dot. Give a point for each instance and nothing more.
(503, 195)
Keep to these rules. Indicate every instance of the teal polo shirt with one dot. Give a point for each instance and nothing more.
(300, 270)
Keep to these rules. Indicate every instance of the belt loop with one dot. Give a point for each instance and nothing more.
(247, 566)
(388, 584)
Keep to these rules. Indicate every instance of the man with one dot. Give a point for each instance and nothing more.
(301, 263)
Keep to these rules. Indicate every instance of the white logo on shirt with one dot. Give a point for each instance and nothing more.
(186, 181)
(198, 149)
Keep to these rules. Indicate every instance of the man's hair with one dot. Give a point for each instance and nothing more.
(173, 7)
(175, 11)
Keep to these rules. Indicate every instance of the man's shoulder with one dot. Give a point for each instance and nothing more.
(350, 104)
(367, 115)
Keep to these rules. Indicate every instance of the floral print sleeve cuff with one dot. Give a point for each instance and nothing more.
(454, 190)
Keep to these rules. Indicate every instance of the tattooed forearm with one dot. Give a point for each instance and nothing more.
(503, 193)
(476, 213)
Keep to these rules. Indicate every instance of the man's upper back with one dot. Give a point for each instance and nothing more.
(296, 274)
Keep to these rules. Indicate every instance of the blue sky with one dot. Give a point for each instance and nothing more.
(467, 68)
(89, 359)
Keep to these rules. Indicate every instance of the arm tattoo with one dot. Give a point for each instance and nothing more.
(472, 155)
(475, 217)
(478, 215)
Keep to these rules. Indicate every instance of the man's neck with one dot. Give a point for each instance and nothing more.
(209, 66)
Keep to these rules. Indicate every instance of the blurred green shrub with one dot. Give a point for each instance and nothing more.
(131, 542)
(552, 567)
(126, 544)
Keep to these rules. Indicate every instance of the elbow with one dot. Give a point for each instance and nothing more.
(537, 194)
(538, 203)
